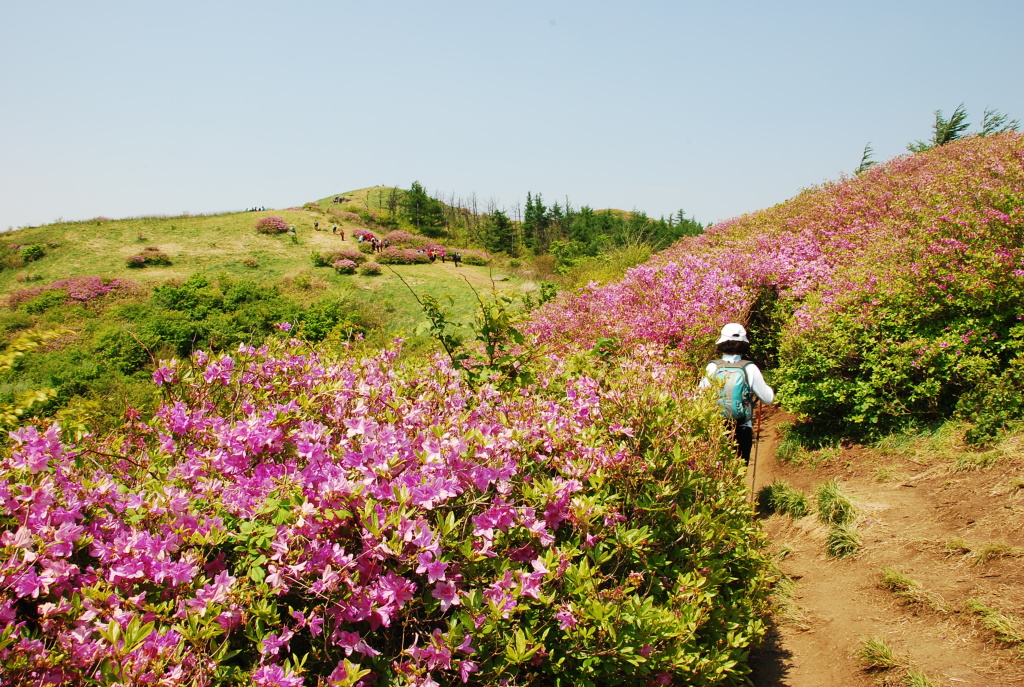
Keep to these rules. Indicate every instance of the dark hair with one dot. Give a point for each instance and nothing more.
(733, 348)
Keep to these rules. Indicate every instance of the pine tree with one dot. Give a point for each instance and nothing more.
(499, 236)
(944, 130)
(426, 214)
(994, 122)
(866, 159)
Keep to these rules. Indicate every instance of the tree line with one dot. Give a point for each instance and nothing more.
(537, 228)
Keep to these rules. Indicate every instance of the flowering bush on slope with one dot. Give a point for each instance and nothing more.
(287, 520)
(78, 290)
(272, 225)
(898, 291)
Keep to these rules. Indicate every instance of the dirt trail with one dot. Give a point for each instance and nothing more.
(918, 515)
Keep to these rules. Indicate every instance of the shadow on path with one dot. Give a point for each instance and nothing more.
(769, 663)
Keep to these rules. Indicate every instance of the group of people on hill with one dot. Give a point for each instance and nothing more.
(376, 245)
(455, 257)
(258, 208)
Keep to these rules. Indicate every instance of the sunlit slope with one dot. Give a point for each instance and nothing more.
(889, 297)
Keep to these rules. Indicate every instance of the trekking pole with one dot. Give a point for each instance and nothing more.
(757, 440)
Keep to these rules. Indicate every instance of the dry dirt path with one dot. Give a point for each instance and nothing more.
(920, 516)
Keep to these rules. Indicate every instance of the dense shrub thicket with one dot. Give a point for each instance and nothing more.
(289, 519)
(889, 298)
(116, 331)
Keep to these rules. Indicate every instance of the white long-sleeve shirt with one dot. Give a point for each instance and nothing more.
(755, 379)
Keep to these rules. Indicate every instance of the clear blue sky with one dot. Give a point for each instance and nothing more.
(718, 108)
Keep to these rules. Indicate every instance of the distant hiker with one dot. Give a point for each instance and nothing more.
(457, 259)
(743, 385)
(442, 258)
(432, 255)
(341, 232)
(334, 229)
(291, 230)
(316, 225)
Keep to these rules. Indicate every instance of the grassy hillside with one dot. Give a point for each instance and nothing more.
(215, 245)
(226, 285)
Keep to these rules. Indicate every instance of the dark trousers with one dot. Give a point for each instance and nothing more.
(744, 441)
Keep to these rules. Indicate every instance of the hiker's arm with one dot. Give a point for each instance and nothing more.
(763, 392)
(705, 381)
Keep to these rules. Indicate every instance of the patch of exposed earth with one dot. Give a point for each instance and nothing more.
(941, 517)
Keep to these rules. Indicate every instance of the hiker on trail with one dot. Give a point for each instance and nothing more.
(316, 225)
(457, 258)
(334, 228)
(743, 385)
(291, 230)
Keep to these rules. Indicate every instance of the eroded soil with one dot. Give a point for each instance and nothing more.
(954, 527)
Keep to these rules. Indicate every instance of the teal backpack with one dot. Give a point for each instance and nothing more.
(736, 397)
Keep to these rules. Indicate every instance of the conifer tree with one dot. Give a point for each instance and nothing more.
(500, 234)
(423, 212)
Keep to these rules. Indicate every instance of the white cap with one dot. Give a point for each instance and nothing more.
(733, 332)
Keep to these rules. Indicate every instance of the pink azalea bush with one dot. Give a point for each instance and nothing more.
(402, 256)
(860, 287)
(78, 290)
(290, 519)
(370, 269)
(345, 266)
(150, 256)
(329, 258)
(272, 225)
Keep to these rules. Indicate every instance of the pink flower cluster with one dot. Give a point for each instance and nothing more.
(339, 487)
(78, 289)
(910, 223)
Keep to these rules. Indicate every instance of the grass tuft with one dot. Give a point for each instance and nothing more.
(957, 547)
(875, 654)
(842, 541)
(990, 552)
(917, 679)
(909, 590)
(779, 497)
(894, 581)
(1004, 628)
(834, 507)
(885, 473)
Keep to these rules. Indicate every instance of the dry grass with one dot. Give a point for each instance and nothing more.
(1003, 627)
(991, 552)
(909, 590)
(875, 654)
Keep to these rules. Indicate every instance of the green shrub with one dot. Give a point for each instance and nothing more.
(324, 317)
(122, 351)
(32, 253)
(45, 301)
(370, 269)
(14, 321)
(149, 257)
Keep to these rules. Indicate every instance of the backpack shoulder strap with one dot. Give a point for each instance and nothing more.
(739, 364)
